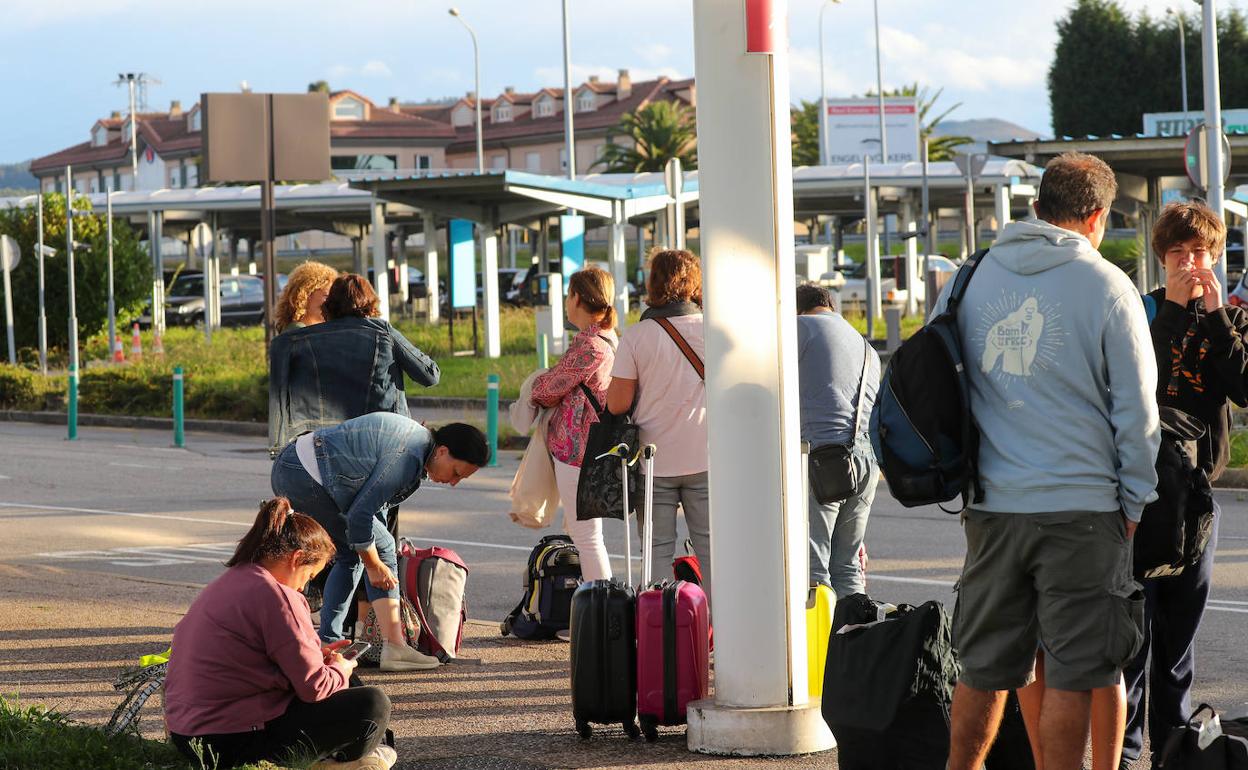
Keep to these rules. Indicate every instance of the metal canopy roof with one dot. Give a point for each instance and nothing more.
(506, 196)
(1146, 156)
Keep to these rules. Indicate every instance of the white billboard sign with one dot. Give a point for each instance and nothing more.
(853, 127)
(1180, 124)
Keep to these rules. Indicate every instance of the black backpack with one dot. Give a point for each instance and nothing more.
(552, 576)
(921, 427)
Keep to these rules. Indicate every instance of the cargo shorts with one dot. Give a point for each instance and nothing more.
(1060, 582)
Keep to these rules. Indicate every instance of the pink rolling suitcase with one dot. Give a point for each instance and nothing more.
(673, 636)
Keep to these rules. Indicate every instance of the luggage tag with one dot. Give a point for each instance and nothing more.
(1208, 730)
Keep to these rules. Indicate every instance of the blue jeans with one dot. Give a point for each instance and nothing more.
(291, 480)
(1173, 607)
(837, 529)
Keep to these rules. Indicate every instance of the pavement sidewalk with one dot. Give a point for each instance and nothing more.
(65, 639)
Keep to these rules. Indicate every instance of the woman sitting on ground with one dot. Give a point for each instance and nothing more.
(250, 681)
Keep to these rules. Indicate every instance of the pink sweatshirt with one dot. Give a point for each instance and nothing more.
(243, 651)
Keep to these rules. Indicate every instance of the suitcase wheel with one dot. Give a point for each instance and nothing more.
(584, 730)
(630, 728)
(650, 726)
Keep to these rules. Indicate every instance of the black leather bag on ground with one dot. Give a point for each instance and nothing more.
(833, 473)
(1224, 747)
(888, 685)
(1175, 529)
(600, 488)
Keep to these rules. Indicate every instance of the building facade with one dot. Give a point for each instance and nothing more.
(521, 131)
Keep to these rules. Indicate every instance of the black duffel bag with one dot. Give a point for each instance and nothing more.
(888, 685)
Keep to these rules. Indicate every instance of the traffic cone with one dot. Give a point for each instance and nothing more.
(158, 347)
(119, 354)
(136, 344)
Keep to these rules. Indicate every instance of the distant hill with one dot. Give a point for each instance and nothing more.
(17, 176)
(984, 130)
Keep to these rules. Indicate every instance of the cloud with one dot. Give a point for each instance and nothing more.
(373, 68)
(553, 76)
(653, 53)
(804, 76)
(908, 58)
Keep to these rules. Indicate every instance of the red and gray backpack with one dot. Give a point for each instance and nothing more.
(435, 579)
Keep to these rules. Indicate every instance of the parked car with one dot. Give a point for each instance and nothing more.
(242, 300)
(854, 291)
(510, 283)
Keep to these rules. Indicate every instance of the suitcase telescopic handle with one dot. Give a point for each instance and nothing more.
(647, 528)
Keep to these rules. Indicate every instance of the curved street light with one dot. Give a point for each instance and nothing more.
(476, 75)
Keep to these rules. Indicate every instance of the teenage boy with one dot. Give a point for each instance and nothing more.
(1202, 368)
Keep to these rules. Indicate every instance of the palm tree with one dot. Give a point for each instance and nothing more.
(656, 133)
(938, 147)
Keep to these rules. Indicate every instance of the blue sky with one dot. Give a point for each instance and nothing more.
(62, 55)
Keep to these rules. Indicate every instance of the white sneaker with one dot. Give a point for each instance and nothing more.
(386, 754)
(370, 761)
(400, 657)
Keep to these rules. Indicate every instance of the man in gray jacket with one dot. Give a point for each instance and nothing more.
(1062, 381)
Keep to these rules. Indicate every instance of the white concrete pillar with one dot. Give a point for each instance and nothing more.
(251, 256)
(489, 275)
(870, 206)
(431, 268)
(619, 263)
(758, 505)
(381, 281)
(914, 279)
(1001, 199)
(400, 245)
(156, 234)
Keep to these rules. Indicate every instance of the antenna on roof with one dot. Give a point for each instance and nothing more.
(133, 79)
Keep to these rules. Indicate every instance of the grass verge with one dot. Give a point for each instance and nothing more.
(33, 736)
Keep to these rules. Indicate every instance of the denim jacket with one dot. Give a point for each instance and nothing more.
(370, 463)
(323, 374)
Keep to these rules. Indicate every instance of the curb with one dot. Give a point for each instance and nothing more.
(229, 427)
(235, 427)
(1232, 478)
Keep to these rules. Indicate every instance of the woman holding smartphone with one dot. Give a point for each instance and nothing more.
(250, 680)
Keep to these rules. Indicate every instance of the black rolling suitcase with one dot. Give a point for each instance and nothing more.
(604, 647)
(604, 656)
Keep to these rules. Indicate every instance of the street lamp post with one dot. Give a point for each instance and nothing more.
(113, 343)
(1182, 57)
(879, 87)
(1213, 121)
(567, 94)
(823, 91)
(476, 83)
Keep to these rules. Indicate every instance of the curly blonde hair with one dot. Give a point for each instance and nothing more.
(308, 277)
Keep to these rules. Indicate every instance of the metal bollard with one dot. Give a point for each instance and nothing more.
(543, 351)
(892, 321)
(179, 434)
(73, 403)
(491, 417)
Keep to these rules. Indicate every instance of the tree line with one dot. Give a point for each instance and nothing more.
(1110, 67)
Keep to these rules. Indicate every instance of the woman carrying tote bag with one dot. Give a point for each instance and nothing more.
(577, 389)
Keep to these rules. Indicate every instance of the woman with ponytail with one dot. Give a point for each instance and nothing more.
(250, 680)
(584, 369)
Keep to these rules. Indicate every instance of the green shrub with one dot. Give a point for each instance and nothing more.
(27, 390)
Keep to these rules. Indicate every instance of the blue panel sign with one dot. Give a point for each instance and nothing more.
(572, 240)
(463, 268)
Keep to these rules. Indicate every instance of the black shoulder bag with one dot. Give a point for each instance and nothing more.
(833, 473)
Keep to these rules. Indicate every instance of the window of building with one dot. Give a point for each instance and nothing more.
(95, 186)
(173, 177)
(424, 162)
(544, 108)
(192, 175)
(533, 161)
(563, 158)
(100, 137)
(585, 101)
(502, 112)
(195, 121)
(498, 161)
(348, 109)
(363, 162)
(116, 179)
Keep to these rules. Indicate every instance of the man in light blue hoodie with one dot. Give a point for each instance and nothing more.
(1062, 388)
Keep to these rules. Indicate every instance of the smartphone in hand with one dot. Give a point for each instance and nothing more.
(354, 650)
